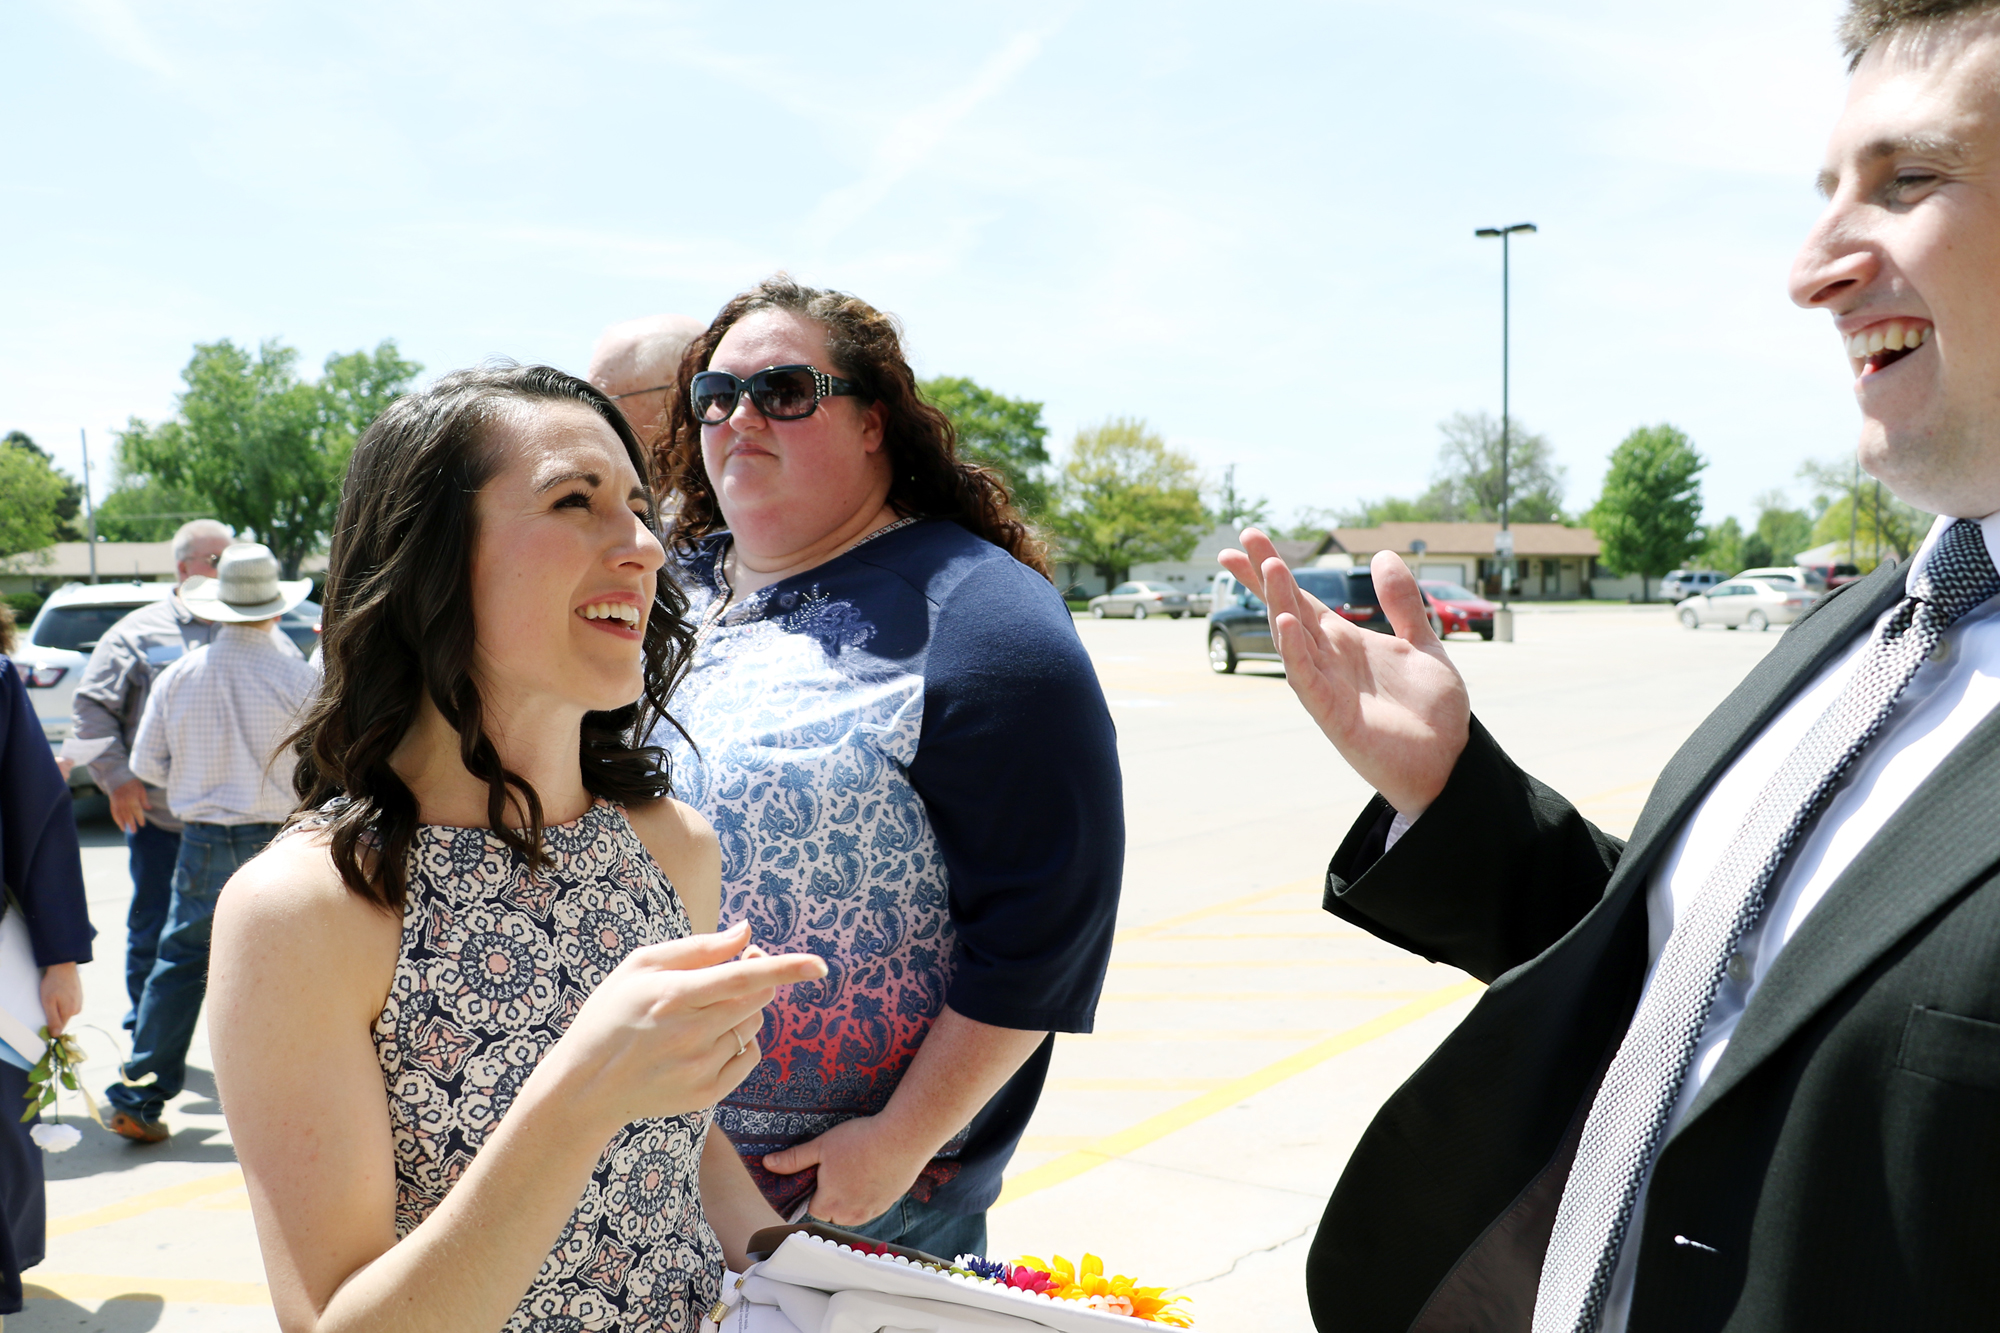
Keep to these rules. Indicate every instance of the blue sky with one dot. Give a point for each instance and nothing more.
(1251, 225)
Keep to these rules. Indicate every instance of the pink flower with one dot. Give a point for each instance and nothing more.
(1028, 1279)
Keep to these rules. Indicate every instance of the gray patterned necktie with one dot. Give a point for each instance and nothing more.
(1629, 1116)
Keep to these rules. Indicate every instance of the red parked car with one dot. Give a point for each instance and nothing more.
(1457, 608)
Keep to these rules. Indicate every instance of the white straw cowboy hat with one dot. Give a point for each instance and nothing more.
(245, 587)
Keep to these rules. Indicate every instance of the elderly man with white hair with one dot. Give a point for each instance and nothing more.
(212, 735)
(110, 699)
(637, 363)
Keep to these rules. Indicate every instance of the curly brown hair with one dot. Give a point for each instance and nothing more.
(929, 479)
(398, 627)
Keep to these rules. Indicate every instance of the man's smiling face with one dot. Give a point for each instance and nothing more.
(1906, 258)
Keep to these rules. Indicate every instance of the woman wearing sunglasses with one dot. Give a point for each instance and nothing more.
(464, 1030)
(907, 757)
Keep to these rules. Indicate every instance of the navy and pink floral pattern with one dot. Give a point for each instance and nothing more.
(495, 963)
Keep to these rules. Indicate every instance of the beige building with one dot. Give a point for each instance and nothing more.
(1551, 562)
(69, 562)
(46, 570)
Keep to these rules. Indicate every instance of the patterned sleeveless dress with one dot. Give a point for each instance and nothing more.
(494, 964)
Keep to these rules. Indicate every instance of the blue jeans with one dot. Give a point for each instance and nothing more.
(153, 852)
(157, 1071)
(919, 1226)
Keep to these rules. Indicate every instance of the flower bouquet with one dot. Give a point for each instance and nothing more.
(817, 1279)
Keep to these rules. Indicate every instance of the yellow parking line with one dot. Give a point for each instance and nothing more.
(1256, 996)
(1231, 1035)
(1168, 964)
(80, 1287)
(1265, 935)
(1134, 1084)
(1112, 1146)
(1217, 909)
(139, 1204)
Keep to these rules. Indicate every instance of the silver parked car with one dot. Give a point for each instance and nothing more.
(1685, 583)
(1139, 600)
(1747, 603)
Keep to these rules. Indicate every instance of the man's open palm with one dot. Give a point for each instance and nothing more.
(1394, 706)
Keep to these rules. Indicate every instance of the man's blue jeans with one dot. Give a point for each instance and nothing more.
(152, 853)
(157, 1071)
(919, 1226)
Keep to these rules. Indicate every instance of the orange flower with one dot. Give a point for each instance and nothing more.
(1117, 1295)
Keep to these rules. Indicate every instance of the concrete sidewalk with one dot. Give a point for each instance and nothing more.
(1244, 1040)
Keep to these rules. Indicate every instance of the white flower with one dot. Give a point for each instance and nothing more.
(56, 1138)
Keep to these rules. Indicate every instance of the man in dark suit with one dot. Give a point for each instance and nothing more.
(1742, 1071)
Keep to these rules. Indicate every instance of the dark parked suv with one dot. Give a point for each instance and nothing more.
(1238, 629)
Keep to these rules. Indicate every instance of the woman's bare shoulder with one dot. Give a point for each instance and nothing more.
(290, 899)
(685, 847)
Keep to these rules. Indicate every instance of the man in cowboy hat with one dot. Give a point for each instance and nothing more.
(110, 700)
(210, 737)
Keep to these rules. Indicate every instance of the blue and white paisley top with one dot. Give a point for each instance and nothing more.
(910, 766)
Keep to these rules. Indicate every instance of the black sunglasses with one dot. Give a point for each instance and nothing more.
(782, 393)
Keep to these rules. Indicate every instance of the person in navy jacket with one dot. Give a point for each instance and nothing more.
(43, 872)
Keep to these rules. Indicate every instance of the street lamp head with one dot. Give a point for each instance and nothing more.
(1505, 231)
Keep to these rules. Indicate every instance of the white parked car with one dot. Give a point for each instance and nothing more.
(1812, 580)
(53, 651)
(1749, 603)
(1139, 600)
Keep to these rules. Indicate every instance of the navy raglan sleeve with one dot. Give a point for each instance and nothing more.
(39, 858)
(1018, 769)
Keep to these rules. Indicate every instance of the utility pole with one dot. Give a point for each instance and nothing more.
(89, 512)
(1878, 521)
(1854, 515)
(1503, 544)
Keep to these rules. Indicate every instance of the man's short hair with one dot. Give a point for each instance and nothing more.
(187, 534)
(1869, 21)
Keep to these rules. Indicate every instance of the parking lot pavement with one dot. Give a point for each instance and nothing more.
(1244, 1040)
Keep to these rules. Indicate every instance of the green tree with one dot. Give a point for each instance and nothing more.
(139, 509)
(1429, 507)
(1232, 506)
(1857, 507)
(31, 495)
(69, 509)
(1466, 484)
(1005, 434)
(1465, 481)
(1309, 522)
(1781, 532)
(1648, 517)
(261, 448)
(1722, 547)
(1123, 498)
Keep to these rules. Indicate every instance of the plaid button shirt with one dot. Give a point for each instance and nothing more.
(212, 725)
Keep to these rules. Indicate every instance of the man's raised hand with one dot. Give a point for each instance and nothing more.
(1394, 706)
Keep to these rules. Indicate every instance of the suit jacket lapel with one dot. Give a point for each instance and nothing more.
(1945, 836)
(1805, 649)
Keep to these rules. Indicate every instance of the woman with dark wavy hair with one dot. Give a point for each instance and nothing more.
(465, 1033)
(905, 753)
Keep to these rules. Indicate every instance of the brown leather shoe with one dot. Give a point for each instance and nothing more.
(139, 1131)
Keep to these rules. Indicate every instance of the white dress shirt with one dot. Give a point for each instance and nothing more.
(213, 722)
(1949, 696)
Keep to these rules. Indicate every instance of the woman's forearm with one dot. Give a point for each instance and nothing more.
(467, 1266)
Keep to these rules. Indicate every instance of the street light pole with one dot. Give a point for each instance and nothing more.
(1503, 545)
(89, 513)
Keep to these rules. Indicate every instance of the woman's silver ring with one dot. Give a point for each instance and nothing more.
(741, 1045)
